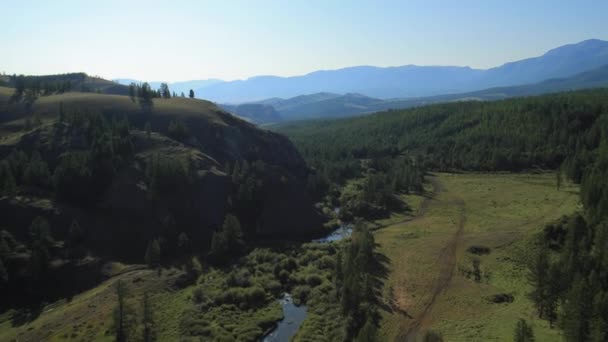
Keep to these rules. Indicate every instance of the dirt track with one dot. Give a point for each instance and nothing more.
(447, 261)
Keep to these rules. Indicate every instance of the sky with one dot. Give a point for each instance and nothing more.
(232, 39)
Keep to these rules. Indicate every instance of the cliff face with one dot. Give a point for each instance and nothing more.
(267, 191)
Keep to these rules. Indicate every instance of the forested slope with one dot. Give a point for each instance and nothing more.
(567, 132)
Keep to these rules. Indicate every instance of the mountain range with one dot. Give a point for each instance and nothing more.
(364, 89)
(330, 105)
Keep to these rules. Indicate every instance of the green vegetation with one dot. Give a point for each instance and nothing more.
(196, 199)
(507, 135)
(108, 188)
(523, 332)
(562, 131)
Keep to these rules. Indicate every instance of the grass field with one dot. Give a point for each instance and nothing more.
(431, 284)
(88, 316)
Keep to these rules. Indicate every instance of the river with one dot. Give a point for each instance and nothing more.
(294, 315)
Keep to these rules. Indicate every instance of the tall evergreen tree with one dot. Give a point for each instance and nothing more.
(152, 255)
(147, 318)
(164, 91)
(523, 332)
(122, 319)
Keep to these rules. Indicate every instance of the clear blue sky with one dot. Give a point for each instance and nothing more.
(182, 40)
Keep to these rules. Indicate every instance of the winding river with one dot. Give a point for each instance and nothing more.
(294, 315)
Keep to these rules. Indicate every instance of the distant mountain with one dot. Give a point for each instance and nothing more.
(595, 78)
(294, 102)
(368, 80)
(414, 81)
(339, 106)
(329, 105)
(564, 61)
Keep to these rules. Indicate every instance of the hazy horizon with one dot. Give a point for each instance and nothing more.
(228, 41)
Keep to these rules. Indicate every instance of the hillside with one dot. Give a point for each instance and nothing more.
(80, 82)
(128, 176)
(254, 112)
(499, 135)
(509, 233)
(178, 87)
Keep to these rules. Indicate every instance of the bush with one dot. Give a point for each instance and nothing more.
(198, 296)
(313, 280)
(301, 294)
(273, 287)
(244, 298)
(192, 324)
(284, 276)
(326, 263)
(240, 278)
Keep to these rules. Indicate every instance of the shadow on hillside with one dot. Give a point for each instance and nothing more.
(26, 315)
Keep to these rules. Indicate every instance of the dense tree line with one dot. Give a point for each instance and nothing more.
(143, 94)
(26, 260)
(30, 87)
(80, 174)
(356, 269)
(570, 272)
(567, 132)
(508, 135)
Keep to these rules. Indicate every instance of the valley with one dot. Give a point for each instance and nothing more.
(432, 284)
(304, 171)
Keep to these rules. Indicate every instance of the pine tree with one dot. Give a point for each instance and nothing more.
(122, 320)
(538, 276)
(152, 255)
(40, 230)
(3, 272)
(183, 243)
(577, 310)
(148, 129)
(164, 91)
(132, 91)
(8, 186)
(37, 171)
(523, 332)
(233, 234)
(147, 318)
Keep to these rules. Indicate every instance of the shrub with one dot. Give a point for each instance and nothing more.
(313, 280)
(326, 263)
(301, 294)
(240, 278)
(284, 276)
(244, 298)
(198, 296)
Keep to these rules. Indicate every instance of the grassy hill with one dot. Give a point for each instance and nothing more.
(67, 82)
(126, 176)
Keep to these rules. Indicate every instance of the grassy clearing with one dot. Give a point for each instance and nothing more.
(88, 316)
(498, 211)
